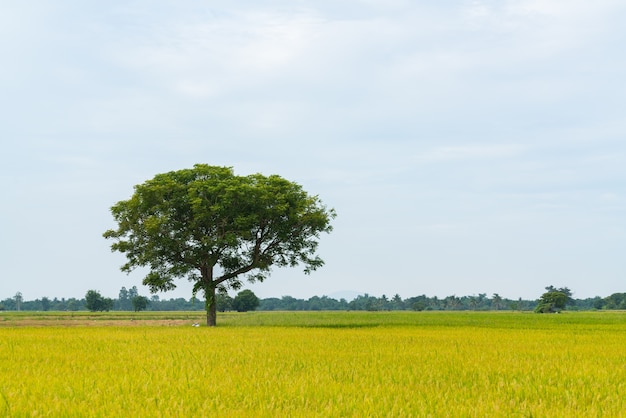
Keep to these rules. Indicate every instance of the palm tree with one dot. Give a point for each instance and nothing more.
(18, 300)
(496, 300)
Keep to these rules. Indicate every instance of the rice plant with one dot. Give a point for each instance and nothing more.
(321, 365)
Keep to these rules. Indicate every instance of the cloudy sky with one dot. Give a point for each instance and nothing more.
(467, 146)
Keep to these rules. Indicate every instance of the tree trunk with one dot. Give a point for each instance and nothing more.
(211, 308)
(210, 303)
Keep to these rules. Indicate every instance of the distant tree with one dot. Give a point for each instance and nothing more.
(58, 305)
(132, 292)
(9, 304)
(18, 300)
(598, 303)
(483, 301)
(383, 303)
(554, 300)
(496, 301)
(140, 303)
(123, 300)
(452, 302)
(270, 304)
(73, 304)
(45, 304)
(614, 301)
(418, 305)
(397, 304)
(566, 291)
(289, 303)
(107, 304)
(364, 302)
(314, 304)
(95, 302)
(245, 301)
(212, 227)
(224, 302)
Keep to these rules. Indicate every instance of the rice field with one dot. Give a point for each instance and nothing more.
(326, 364)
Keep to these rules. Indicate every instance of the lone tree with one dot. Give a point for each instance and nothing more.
(210, 226)
(246, 301)
(554, 300)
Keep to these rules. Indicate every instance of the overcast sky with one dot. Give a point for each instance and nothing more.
(467, 146)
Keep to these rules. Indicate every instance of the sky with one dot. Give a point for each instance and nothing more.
(467, 146)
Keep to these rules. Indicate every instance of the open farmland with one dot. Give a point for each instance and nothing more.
(314, 364)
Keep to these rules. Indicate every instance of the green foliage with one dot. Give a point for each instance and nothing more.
(554, 300)
(223, 302)
(18, 300)
(140, 303)
(123, 301)
(125, 298)
(95, 302)
(418, 306)
(245, 301)
(210, 226)
(496, 301)
(615, 301)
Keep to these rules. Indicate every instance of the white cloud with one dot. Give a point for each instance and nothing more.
(221, 54)
(461, 129)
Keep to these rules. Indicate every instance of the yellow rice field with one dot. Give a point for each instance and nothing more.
(382, 365)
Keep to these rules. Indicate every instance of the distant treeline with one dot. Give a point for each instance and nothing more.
(481, 302)
(73, 304)
(365, 302)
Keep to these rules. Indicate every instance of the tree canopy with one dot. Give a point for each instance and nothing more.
(211, 226)
(554, 300)
(246, 301)
(140, 303)
(95, 302)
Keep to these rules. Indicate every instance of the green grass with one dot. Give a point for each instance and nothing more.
(493, 319)
(351, 319)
